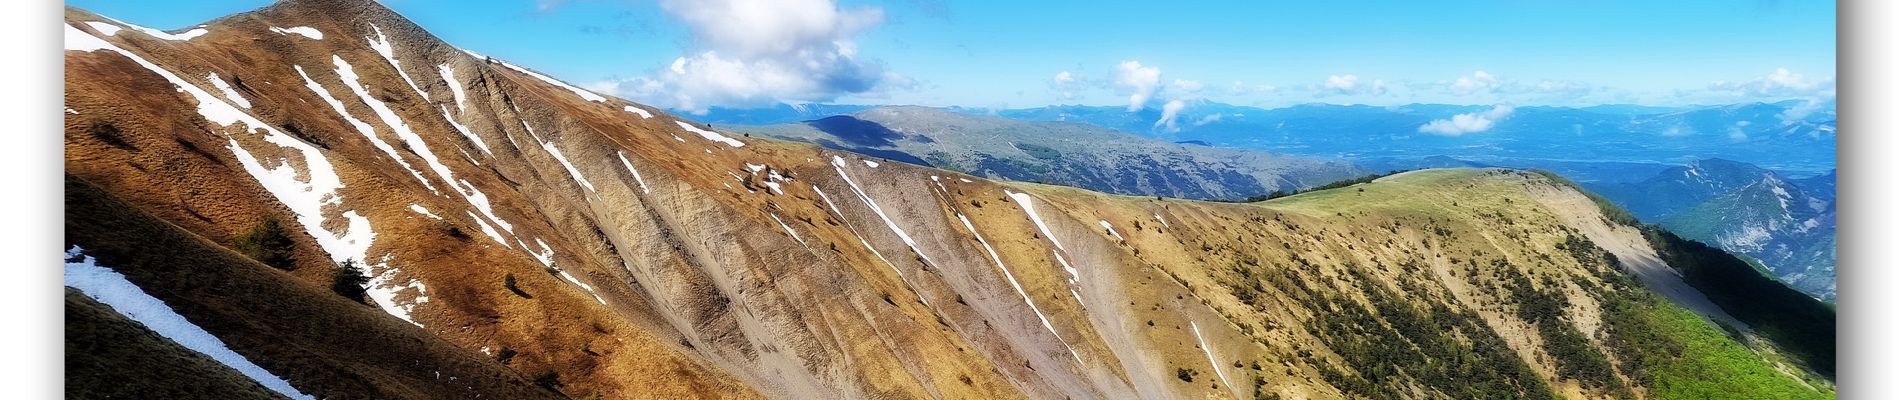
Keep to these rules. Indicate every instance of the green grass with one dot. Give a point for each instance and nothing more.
(1799, 325)
(1679, 355)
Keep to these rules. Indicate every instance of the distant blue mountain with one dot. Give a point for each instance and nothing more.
(777, 114)
(1765, 134)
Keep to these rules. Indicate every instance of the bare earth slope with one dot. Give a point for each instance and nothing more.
(524, 238)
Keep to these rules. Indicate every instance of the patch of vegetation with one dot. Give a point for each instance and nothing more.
(1575, 357)
(1186, 374)
(1331, 185)
(504, 355)
(110, 135)
(508, 281)
(1390, 340)
(1800, 325)
(1679, 355)
(349, 281)
(1039, 151)
(268, 243)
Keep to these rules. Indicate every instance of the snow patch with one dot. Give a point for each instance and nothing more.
(364, 128)
(489, 230)
(1210, 353)
(104, 28)
(788, 229)
(1111, 231)
(577, 282)
(306, 31)
(455, 87)
(1018, 285)
(1164, 221)
(465, 132)
(112, 289)
(867, 244)
(424, 211)
(571, 171)
(1029, 207)
(838, 164)
(395, 123)
(228, 92)
(589, 96)
(306, 198)
(709, 135)
(637, 110)
(636, 173)
(182, 36)
(388, 51)
(545, 256)
(869, 163)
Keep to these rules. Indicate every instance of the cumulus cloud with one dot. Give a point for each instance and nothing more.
(1137, 82)
(759, 52)
(1169, 113)
(1065, 84)
(1351, 85)
(1469, 122)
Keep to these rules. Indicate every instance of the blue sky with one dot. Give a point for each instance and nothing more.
(692, 54)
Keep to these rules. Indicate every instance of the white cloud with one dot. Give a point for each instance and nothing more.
(1065, 84)
(1241, 88)
(1137, 82)
(1169, 113)
(1469, 122)
(1479, 81)
(1207, 119)
(760, 52)
(1186, 86)
(1781, 83)
(1351, 85)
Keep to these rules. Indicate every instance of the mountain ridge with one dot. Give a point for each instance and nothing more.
(575, 244)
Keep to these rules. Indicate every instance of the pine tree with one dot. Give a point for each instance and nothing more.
(349, 281)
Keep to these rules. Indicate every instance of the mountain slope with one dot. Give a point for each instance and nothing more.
(1059, 153)
(528, 239)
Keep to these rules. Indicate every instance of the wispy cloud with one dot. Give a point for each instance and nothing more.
(1349, 85)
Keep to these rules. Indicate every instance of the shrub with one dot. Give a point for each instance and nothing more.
(349, 281)
(508, 281)
(505, 354)
(269, 244)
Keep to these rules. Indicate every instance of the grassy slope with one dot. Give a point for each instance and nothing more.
(320, 342)
(110, 356)
(1686, 356)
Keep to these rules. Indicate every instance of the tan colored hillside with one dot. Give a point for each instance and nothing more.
(528, 239)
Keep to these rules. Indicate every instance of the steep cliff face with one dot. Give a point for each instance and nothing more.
(524, 238)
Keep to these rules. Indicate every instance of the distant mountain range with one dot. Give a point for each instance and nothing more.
(1786, 224)
(1060, 153)
(1784, 136)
